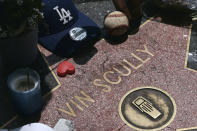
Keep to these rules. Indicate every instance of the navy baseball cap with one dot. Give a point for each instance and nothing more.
(68, 29)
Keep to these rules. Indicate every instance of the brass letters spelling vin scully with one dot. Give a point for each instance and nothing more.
(106, 88)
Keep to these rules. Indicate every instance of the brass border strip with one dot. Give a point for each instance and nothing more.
(57, 80)
(187, 51)
(147, 87)
(151, 18)
(8, 122)
(183, 129)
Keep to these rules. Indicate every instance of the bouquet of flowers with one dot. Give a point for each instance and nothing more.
(18, 16)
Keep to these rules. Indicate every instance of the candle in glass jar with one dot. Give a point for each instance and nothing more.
(24, 86)
(23, 83)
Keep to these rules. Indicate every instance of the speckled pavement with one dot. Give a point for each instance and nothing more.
(159, 55)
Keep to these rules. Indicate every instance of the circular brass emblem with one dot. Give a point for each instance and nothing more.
(147, 108)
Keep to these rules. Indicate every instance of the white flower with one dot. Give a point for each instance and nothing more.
(19, 2)
(3, 35)
(34, 16)
(31, 21)
(36, 9)
(42, 15)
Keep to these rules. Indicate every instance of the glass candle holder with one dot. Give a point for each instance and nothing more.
(24, 86)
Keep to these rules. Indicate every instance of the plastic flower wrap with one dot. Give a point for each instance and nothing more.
(184, 5)
(19, 16)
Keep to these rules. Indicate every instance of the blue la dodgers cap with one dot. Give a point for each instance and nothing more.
(68, 29)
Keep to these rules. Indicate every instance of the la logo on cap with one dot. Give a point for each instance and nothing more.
(67, 29)
(64, 15)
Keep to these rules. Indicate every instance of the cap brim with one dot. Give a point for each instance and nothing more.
(61, 43)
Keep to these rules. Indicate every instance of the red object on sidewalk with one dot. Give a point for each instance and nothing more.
(65, 68)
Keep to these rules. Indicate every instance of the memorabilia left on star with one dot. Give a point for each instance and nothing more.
(66, 31)
(63, 31)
